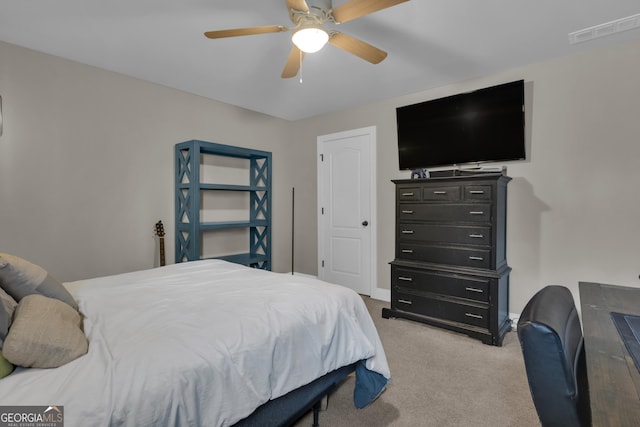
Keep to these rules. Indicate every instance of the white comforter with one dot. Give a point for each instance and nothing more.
(199, 343)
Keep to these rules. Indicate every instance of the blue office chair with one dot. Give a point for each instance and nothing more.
(552, 345)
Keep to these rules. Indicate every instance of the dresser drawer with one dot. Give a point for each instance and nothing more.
(408, 194)
(453, 212)
(477, 192)
(441, 309)
(463, 234)
(468, 287)
(444, 193)
(460, 256)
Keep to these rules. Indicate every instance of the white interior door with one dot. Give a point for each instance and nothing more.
(346, 197)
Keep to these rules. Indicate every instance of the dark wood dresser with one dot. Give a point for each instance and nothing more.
(450, 267)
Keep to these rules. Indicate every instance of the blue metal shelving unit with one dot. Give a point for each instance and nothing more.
(189, 228)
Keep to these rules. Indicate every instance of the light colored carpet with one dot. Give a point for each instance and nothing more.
(439, 378)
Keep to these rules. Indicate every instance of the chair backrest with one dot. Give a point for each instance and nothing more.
(552, 345)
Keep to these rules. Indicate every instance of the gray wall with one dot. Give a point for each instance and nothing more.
(86, 168)
(574, 204)
(86, 163)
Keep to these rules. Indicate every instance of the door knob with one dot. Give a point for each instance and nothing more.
(365, 223)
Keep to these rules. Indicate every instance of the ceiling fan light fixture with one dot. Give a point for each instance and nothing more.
(310, 39)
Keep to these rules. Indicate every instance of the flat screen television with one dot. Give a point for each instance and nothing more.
(486, 125)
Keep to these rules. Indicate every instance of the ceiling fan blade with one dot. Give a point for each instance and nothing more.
(293, 63)
(356, 8)
(357, 47)
(298, 5)
(219, 34)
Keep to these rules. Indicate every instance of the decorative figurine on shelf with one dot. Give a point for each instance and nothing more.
(419, 173)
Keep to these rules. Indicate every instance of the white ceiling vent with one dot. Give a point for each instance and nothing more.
(606, 29)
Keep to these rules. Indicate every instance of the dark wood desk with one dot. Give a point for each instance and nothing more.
(614, 380)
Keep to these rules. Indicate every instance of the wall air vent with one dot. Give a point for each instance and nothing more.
(606, 29)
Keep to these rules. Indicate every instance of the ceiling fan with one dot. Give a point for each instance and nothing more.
(310, 34)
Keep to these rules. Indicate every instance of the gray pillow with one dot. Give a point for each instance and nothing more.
(45, 333)
(7, 305)
(19, 278)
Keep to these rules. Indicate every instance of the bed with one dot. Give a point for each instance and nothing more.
(207, 343)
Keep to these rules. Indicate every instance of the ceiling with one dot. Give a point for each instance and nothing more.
(430, 43)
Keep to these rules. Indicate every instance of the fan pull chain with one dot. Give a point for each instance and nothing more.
(300, 67)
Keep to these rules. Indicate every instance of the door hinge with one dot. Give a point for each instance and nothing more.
(321, 211)
(322, 157)
(322, 263)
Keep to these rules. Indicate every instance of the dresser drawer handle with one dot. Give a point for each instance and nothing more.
(476, 236)
(476, 213)
(407, 231)
(407, 251)
(475, 316)
(407, 194)
(406, 279)
(476, 191)
(476, 258)
(480, 291)
(404, 301)
(439, 192)
(407, 212)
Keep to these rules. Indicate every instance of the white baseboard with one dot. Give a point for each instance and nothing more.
(514, 320)
(310, 276)
(381, 294)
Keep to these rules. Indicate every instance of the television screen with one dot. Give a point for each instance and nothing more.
(485, 125)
